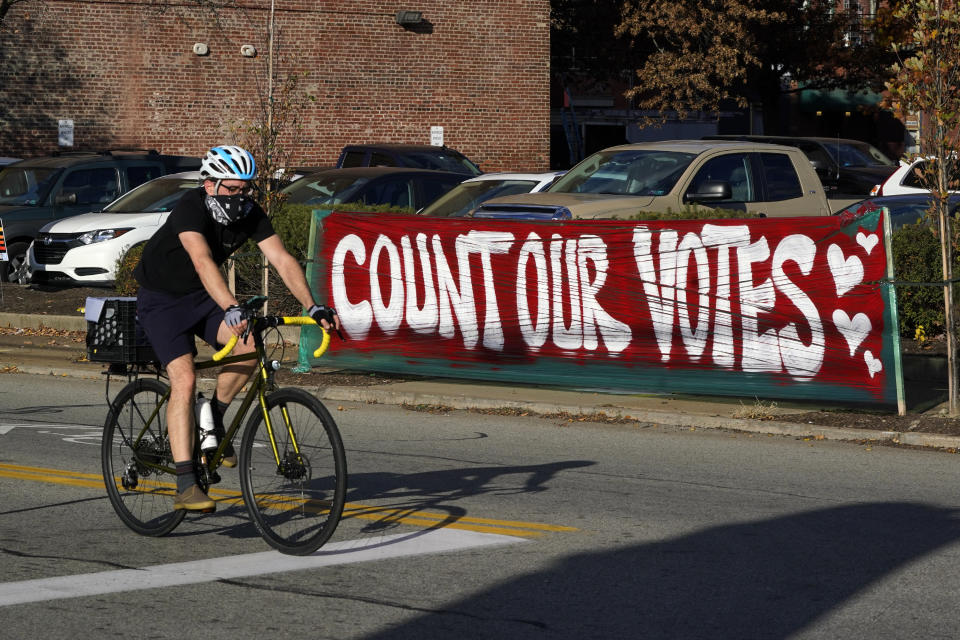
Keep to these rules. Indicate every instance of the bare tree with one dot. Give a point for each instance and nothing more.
(927, 82)
(6, 5)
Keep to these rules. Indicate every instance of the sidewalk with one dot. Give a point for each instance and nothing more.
(60, 356)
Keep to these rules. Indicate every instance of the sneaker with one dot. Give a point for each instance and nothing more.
(194, 499)
(229, 456)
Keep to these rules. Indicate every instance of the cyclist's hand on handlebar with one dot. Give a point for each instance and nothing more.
(235, 317)
(326, 317)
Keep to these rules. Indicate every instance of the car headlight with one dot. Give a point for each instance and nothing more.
(99, 235)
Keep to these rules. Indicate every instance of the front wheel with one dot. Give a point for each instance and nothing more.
(134, 447)
(295, 485)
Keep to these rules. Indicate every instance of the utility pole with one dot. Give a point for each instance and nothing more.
(269, 149)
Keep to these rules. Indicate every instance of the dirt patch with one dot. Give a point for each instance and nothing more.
(48, 300)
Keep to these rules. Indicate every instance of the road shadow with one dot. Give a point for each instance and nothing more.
(399, 495)
(393, 498)
(763, 580)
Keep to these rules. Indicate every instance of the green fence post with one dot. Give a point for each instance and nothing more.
(314, 279)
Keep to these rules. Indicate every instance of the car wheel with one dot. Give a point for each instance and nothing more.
(15, 269)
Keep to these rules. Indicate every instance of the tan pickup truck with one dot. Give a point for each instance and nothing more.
(623, 181)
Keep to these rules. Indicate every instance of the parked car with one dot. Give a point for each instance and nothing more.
(36, 191)
(845, 167)
(908, 178)
(622, 181)
(395, 186)
(86, 249)
(415, 156)
(469, 194)
(907, 208)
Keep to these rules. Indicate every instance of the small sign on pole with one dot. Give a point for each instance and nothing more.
(65, 133)
(436, 136)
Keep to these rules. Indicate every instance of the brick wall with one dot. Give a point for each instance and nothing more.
(124, 71)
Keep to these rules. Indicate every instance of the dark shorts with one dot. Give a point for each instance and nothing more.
(171, 322)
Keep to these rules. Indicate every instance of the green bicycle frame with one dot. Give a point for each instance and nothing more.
(260, 385)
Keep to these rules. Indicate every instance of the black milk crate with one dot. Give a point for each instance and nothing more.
(116, 336)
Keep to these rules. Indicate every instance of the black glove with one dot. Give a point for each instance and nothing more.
(321, 312)
(235, 315)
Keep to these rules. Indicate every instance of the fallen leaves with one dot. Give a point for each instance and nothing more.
(76, 336)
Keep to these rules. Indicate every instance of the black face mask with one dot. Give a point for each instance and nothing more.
(227, 209)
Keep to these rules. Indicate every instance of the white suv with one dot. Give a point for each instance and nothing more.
(88, 247)
(908, 178)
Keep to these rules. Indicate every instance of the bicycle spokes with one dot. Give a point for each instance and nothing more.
(293, 472)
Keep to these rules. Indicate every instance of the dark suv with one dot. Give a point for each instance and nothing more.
(416, 156)
(845, 167)
(37, 190)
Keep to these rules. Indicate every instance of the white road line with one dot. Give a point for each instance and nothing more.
(231, 567)
(7, 428)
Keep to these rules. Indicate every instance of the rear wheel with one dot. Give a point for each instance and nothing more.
(131, 451)
(296, 504)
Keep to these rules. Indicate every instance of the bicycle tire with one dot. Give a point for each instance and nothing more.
(296, 505)
(141, 495)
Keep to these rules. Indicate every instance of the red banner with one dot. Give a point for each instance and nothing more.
(795, 301)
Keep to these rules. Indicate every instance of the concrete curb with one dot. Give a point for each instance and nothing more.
(692, 421)
(79, 323)
(33, 321)
(375, 395)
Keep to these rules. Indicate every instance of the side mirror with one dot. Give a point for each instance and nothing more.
(710, 191)
(65, 197)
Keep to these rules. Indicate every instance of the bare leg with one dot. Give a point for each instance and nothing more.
(180, 407)
(232, 377)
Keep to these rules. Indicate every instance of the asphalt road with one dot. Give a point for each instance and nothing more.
(473, 526)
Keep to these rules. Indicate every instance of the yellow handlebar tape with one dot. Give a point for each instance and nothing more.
(297, 320)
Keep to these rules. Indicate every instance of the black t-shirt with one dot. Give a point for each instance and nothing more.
(166, 266)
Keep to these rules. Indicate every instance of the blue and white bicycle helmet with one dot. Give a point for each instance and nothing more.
(228, 163)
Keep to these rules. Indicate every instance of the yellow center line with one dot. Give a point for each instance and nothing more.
(391, 515)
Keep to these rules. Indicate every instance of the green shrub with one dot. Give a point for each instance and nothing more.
(692, 213)
(125, 284)
(292, 223)
(916, 258)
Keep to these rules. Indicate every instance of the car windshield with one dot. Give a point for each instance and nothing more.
(323, 189)
(441, 161)
(467, 196)
(848, 154)
(155, 196)
(642, 172)
(26, 186)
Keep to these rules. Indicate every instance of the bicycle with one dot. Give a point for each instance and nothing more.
(293, 470)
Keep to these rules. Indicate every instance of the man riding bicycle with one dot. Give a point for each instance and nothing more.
(183, 294)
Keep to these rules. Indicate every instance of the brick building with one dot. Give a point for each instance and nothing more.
(127, 73)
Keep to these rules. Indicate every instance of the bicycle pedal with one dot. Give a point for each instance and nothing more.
(213, 477)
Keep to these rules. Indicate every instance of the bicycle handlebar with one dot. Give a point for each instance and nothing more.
(294, 320)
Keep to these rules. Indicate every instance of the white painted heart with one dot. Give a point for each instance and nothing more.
(846, 273)
(853, 330)
(868, 242)
(874, 366)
